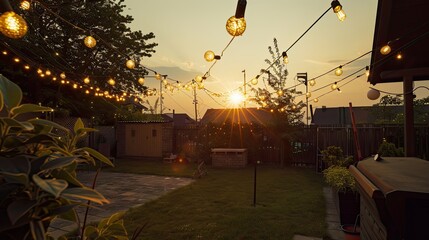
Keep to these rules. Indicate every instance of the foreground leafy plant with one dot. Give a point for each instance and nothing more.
(38, 162)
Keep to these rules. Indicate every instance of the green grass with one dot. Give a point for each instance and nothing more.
(153, 168)
(219, 206)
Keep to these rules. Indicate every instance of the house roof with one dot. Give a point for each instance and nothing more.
(237, 115)
(179, 119)
(405, 26)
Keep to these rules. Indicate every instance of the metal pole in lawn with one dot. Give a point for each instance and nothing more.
(254, 184)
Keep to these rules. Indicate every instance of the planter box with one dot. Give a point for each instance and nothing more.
(229, 157)
(348, 206)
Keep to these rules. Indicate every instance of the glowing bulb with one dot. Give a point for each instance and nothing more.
(235, 26)
(198, 79)
(63, 75)
(17, 60)
(39, 71)
(312, 82)
(201, 86)
(385, 49)
(4, 53)
(158, 76)
(86, 80)
(141, 81)
(130, 64)
(75, 86)
(338, 9)
(87, 91)
(111, 81)
(48, 73)
(308, 94)
(27, 67)
(334, 86)
(399, 56)
(285, 58)
(316, 100)
(89, 41)
(12, 25)
(209, 56)
(106, 93)
(280, 92)
(254, 81)
(25, 5)
(367, 71)
(339, 71)
(164, 82)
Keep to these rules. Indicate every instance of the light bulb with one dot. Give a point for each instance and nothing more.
(89, 41)
(339, 71)
(198, 79)
(308, 94)
(12, 25)
(25, 5)
(209, 56)
(158, 76)
(280, 92)
(39, 71)
(74, 85)
(63, 75)
(399, 56)
(312, 82)
(334, 86)
(338, 9)
(111, 81)
(235, 26)
(254, 81)
(285, 58)
(141, 81)
(87, 80)
(367, 71)
(316, 100)
(48, 73)
(373, 94)
(130, 64)
(385, 49)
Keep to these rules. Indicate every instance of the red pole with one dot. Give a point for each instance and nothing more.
(355, 135)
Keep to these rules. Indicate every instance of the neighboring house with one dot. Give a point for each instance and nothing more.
(150, 139)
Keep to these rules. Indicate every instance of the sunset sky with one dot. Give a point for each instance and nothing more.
(185, 29)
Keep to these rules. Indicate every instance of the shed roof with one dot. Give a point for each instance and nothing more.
(237, 115)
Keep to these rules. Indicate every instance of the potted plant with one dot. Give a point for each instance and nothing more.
(38, 167)
(338, 177)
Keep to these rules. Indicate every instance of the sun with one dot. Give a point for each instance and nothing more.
(236, 98)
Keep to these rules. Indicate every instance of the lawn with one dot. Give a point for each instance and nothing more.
(219, 206)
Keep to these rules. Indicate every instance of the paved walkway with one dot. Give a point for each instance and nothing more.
(124, 191)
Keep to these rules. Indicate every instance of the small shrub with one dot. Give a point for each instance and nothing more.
(387, 149)
(339, 178)
(333, 156)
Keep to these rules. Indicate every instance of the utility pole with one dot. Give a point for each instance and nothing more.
(303, 77)
(194, 86)
(244, 87)
(160, 96)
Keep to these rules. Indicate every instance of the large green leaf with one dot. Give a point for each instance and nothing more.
(115, 217)
(10, 122)
(78, 125)
(29, 108)
(21, 178)
(85, 194)
(48, 123)
(98, 155)
(52, 186)
(37, 230)
(60, 162)
(62, 174)
(66, 212)
(12, 94)
(19, 208)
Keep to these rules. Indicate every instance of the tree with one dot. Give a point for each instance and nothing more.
(280, 101)
(55, 42)
(387, 111)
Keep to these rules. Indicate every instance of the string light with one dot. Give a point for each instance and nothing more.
(141, 80)
(373, 94)
(209, 56)
(236, 25)
(312, 82)
(111, 81)
(339, 71)
(338, 9)
(11, 24)
(25, 5)
(86, 80)
(308, 94)
(285, 58)
(367, 71)
(334, 86)
(254, 80)
(130, 64)
(48, 72)
(399, 56)
(385, 49)
(158, 76)
(316, 100)
(90, 41)
(63, 75)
